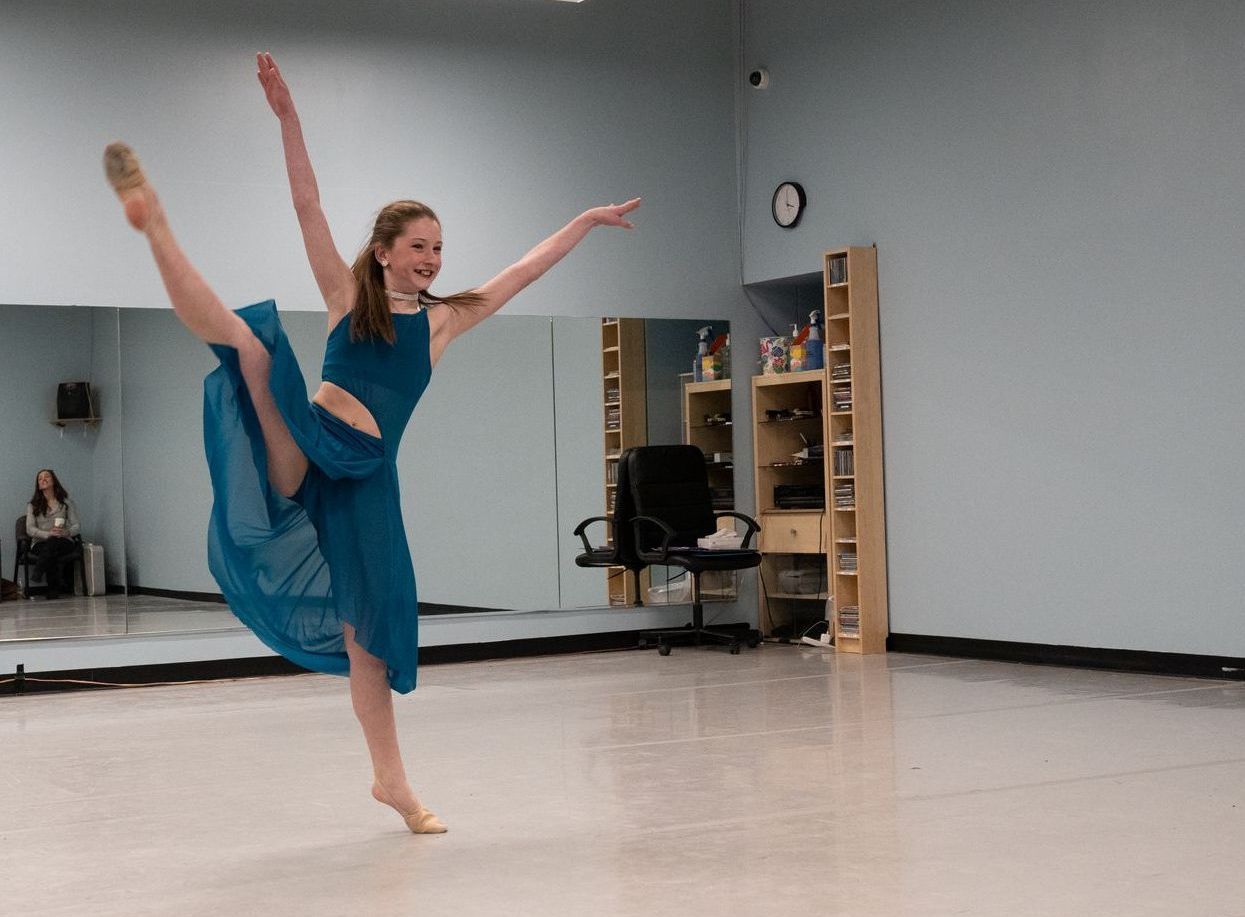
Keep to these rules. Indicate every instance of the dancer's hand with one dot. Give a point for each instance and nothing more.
(278, 93)
(613, 215)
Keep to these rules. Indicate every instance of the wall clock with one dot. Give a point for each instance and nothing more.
(788, 204)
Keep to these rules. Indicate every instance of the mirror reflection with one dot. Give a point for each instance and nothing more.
(62, 545)
(628, 382)
(511, 446)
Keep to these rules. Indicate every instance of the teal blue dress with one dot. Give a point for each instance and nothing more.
(294, 570)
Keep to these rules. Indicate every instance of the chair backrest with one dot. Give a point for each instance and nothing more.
(624, 511)
(19, 528)
(671, 483)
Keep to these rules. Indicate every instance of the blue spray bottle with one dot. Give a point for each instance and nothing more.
(705, 335)
(814, 347)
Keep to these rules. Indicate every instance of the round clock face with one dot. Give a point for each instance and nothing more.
(788, 204)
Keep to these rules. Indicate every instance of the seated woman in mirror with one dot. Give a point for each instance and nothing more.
(52, 524)
(306, 538)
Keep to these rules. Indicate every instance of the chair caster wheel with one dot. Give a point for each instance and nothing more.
(735, 649)
(664, 649)
(643, 644)
(754, 640)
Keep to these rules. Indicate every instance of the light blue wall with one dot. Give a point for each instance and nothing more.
(1056, 192)
(508, 116)
(107, 509)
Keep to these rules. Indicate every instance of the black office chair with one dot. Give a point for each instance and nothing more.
(673, 508)
(620, 550)
(25, 559)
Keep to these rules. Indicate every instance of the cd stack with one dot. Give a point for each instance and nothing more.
(838, 269)
(841, 372)
(847, 561)
(845, 495)
(843, 463)
(842, 397)
(613, 419)
(849, 620)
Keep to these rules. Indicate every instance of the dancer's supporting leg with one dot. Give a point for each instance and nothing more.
(204, 314)
(373, 705)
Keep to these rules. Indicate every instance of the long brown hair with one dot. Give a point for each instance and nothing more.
(39, 503)
(371, 317)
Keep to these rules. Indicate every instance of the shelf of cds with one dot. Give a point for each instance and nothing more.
(857, 554)
(624, 395)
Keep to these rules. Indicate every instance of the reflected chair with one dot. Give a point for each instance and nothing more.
(673, 508)
(619, 551)
(25, 559)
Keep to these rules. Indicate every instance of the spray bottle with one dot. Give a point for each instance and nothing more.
(814, 347)
(705, 335)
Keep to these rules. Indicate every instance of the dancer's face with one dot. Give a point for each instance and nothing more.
(414, 259)
(44, 480)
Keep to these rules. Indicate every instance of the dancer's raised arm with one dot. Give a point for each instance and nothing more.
(502, 288)
(332, 274)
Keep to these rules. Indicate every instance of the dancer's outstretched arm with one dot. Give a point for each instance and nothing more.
(502, 288)
(332, 274)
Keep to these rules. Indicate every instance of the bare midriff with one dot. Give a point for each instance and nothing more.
(345, 406)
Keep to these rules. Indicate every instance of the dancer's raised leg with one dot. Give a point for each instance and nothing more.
(204, 314)
(373, 706)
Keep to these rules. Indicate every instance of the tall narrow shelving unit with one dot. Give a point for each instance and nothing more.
(854, 450)
(624, 394)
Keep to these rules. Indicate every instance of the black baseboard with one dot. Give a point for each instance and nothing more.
(425, 608)
(214, 597)
(39, 682)
(1186, 664)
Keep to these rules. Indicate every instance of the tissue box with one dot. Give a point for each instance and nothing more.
(775, 355)
(721, 541)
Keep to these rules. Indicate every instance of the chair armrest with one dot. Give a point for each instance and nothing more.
(665, 542)
(583, 526)
(752, 527)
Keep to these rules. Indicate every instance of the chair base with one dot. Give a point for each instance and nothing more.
(692, 635)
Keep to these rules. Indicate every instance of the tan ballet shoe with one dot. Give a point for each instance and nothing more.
(421, 821)
(128, 181)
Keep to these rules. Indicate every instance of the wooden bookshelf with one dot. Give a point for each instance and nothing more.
(856, 492)
(624, 394)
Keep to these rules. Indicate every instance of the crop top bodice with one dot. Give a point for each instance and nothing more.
(387, 378)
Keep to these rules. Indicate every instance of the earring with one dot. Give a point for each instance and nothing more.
(384, 264)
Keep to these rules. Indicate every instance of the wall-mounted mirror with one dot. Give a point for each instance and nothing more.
(507, 451)
(627, 382)
(41, 348)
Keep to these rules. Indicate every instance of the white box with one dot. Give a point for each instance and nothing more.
(93, 563)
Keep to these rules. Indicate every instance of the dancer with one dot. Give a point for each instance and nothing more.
(306, 538)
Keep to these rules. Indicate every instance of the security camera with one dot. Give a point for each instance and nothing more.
(758, 78)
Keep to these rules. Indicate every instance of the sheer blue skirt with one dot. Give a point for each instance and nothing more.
(294, 570)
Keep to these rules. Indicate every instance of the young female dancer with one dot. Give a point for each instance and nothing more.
(306, 538)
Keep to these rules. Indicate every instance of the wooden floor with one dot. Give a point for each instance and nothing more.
(783, 781)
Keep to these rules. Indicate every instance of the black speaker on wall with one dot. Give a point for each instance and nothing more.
(73, 401)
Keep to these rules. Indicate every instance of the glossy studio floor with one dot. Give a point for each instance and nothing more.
(783, 781)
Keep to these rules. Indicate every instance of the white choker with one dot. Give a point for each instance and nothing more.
(404, 297)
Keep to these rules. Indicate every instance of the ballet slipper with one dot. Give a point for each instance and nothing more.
(128, 181)
(421, 821)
